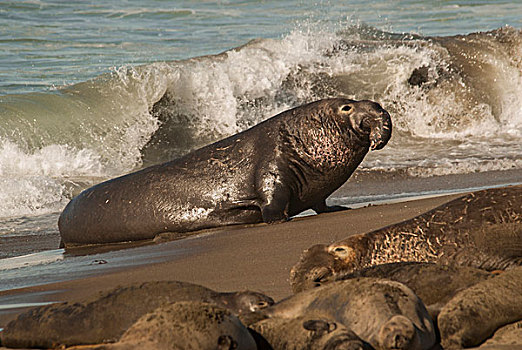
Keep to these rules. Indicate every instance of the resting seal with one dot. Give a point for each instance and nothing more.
(184, 325)
(306, 333)
(510, 335)
(434, 284)
(107, 316)
(276, 169)
(474, 314)
(386, 314)
(481, 229)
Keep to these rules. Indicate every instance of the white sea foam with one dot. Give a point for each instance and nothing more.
(32, 182)
(33, 259)
(444, 129)
(105, 128)
(52, 161)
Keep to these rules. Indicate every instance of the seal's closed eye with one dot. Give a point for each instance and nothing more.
(342, 252)
(346, 108)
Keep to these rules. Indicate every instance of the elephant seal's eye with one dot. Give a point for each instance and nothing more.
(345, 108)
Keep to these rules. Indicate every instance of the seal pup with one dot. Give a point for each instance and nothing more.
(307, 153)
(481, 229)
(386, 314)
(107, 316)
(474, 314)
(307, 333)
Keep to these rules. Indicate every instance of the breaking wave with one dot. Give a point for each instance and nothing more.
(455, 103)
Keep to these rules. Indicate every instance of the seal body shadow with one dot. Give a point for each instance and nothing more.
(276, 169)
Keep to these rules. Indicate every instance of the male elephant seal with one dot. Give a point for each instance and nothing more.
(384, 313)
(276, 169)
(107, 316)
(482, 229)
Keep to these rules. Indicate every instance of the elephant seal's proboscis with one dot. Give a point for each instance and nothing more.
(276, 169)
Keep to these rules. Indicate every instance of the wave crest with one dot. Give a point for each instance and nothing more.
(452, 99)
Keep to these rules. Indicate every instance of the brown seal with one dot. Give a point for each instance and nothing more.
(386, 314)
(306, 332)
(508, 337)
(276, 169)
(474, 314)
(184, 325)
(107, 316)
(419, 276)
(481, 229)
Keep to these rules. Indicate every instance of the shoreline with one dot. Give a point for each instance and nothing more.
(362, 189)
(257, 257)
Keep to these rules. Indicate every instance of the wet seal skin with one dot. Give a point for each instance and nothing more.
(278, 168)
(482, 229)
(386, 314)
(107, 316)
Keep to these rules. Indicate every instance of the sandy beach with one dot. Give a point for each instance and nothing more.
(92, 92)
(226, 259)
(234, 258)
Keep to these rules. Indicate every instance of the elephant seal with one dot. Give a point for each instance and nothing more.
(474, 314)
(307, 333)
(386, 314)
(276, 169)
(418, 276)
(481, 229)
(434, 284)
(107, 316)
(184, 325)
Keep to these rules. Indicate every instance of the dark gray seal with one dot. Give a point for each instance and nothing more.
(276, 169)
(482, 229)
(386, 314)
(107, 316)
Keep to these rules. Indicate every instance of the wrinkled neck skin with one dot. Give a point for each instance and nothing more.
(321, 144)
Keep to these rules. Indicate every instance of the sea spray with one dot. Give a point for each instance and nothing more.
(460, 114)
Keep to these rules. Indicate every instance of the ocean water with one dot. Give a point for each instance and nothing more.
(91, 90)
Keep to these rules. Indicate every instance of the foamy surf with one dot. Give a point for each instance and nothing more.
(34, 259)
(453, 100)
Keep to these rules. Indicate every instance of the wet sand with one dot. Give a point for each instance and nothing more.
(227, 259)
